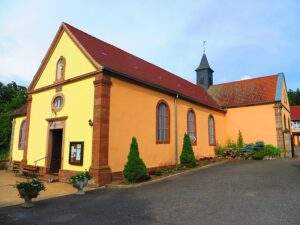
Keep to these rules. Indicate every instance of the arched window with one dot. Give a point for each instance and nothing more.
(60, 69)
(22, 134)
(284, 121)
(162, 122)
(211, 130)
(191, 126)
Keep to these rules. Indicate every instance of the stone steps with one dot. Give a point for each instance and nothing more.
(50, 178)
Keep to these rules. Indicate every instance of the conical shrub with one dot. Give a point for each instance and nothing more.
(240, 140)
(187, 157)
(135, 169)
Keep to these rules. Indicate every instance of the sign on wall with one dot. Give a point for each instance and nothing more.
(76, 153)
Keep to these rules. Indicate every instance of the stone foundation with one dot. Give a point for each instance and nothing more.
(64, 175)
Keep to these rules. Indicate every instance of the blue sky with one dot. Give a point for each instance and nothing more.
(244, 38)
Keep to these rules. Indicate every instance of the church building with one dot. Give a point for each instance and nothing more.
(89, 98)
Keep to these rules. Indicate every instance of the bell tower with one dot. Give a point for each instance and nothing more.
(204, 73)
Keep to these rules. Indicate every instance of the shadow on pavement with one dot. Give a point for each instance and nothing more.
(96, 207)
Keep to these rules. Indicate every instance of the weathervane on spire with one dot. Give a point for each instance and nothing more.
(204, 46)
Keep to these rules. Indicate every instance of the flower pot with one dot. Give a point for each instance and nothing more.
(80, 185)
(27, 203)
(27, 198)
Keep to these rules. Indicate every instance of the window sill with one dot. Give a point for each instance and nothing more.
(162, 142)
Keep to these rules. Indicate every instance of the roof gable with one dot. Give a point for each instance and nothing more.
(76, 62)
(255, 91)
(74, 49)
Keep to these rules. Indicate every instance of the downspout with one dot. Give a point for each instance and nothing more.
(176, 129)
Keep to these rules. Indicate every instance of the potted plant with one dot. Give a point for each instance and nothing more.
(80, 181)
(29, 190)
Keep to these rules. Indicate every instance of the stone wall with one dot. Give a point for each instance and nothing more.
(283, 136)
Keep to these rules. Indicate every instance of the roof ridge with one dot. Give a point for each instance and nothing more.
(152, 64)
(101, 40)
(245, 80)
(157, 76)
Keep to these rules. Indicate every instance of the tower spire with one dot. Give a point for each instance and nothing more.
(204, 71)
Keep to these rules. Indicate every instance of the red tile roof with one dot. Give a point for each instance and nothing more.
(22, 111)
(255, 91)
(295, 112)
(140, 70)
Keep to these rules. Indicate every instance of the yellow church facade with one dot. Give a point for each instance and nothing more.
(89, 98)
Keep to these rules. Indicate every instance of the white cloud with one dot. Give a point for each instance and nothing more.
(22, 43)
(247, 77)
(243, 37)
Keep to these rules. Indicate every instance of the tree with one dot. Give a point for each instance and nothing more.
(187, 157)
(240, 140)
(12, 96)
(135, 169)
(294, 97)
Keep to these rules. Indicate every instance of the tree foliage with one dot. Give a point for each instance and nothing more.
(12, 96)
(135, 169)
(240, 140)
(187, 157)
(294, 97)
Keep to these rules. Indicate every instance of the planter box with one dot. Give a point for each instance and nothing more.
(4, 164)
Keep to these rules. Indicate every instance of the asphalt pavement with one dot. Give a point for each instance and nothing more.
(238, 192)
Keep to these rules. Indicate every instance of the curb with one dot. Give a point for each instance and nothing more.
(169, 177)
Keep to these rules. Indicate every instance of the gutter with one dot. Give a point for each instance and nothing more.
(160, 88)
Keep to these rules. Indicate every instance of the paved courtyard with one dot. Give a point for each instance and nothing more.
(9, 194)
(239, 192)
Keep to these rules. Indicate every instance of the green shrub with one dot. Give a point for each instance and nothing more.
(272, 151)
(80, 177)
(158, 172)
(240, 140)
(231, 144)
(135, 169)
(219, 151)
(187, 157)
(257, 151)
(247, 151)
(30, 188)
(4, 155)
(229, 152)
(232, 152)
(259, 145)
(259, 155)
